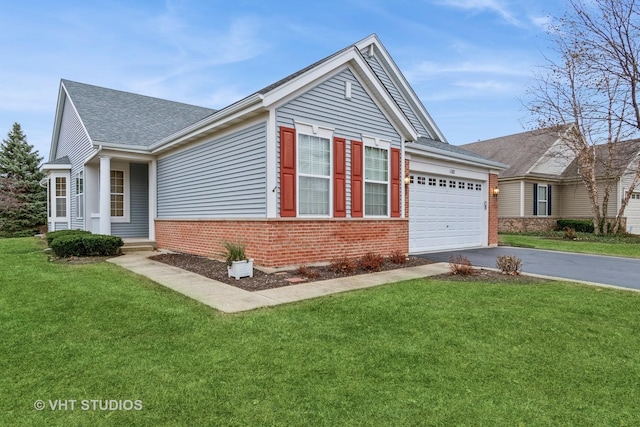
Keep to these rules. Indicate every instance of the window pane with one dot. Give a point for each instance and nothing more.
(314, 155)
(117, 205)
(376, 165)
(375, 196)
(61, 187)
(314, 196)
(61, 207)
(542, 192)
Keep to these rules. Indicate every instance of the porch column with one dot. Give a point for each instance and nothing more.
(152, 199)
(105, 195)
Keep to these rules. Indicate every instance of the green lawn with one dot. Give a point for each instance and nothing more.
(628, 246)
(422, 352)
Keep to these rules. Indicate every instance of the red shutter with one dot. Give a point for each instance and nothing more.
(287, 172)
(356, 179)
(339, 177)
(395, 182)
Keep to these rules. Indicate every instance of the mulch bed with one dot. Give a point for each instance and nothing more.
(217, 270)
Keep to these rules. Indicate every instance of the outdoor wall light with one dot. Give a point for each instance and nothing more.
(406, 180)
(496, 191)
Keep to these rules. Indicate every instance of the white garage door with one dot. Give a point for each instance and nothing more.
(632, 212)
(445, 213)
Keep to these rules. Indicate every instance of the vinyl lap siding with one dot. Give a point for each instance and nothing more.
(326, 105)
(575, 201)
(73, 142)
(509, 199)
(395, 93)
(222, 178)
(138, 226)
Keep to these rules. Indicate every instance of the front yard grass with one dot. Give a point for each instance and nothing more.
(421, 352)
(625, 246)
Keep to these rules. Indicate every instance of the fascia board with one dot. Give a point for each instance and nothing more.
(451, 156)
(407, 91)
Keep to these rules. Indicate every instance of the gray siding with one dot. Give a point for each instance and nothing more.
(222, 178)
(575, 200)
(138, 225)
(395, 93)
(61, 226)
(73, 142)
(326, 105)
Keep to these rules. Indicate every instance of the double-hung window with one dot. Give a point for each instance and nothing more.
(80, 195)
(376, 181)
(314, 175)
(542, 200)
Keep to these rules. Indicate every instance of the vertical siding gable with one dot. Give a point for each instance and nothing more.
(221, 178)
(73, 142)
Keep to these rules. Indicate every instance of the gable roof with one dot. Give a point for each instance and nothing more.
(625, 152)
(116, 117)
(520, 151)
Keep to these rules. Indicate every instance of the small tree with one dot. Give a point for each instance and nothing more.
(22, 199)
(595, 87)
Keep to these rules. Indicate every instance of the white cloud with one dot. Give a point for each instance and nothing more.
(497, 6)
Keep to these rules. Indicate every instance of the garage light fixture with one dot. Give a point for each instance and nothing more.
(406, 180)
(496, 191)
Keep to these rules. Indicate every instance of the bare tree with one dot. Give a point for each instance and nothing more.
(594, 85)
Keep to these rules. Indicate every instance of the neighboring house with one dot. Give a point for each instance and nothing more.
(340, 158)
(542, 183)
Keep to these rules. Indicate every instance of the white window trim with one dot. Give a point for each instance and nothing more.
(52, 198)
(546, 200)
(303, 128)
(374, 142)
(124, 168)
(79, 200)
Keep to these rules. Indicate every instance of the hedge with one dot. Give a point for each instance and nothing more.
(581, 225)
(52, 235)
(86, 244)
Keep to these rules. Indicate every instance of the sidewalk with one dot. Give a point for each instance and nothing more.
(230, 299)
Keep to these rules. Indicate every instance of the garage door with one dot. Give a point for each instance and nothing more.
(632, 212)
(445, 213)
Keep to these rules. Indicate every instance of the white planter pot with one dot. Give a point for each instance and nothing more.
(240, 269)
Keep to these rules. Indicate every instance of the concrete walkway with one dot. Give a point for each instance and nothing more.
(230, 299)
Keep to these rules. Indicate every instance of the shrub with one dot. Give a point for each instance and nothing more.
(579, 225)
(343, 265)
(398, 257)
(460, 266)
(86, 244)
(509, 264)
(234, 252)
(51, 236)
(307, 272)
(371, 261)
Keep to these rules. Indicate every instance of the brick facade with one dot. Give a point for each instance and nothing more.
(493, 211)
(284, 242)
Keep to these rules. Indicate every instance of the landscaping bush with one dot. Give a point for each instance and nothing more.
(460, 266)
(343, 265)
(371, 261)
(398, 257)
(509, 264)
(579, 225)
(307, 272)
(86, 244)
(51, 236)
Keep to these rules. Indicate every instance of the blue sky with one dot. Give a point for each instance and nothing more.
(469, 61)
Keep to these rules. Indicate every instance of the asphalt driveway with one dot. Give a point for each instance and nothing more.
(609, 270)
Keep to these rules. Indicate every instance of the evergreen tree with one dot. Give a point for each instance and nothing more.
(19, 169)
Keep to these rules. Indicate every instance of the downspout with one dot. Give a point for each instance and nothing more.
(402, 177)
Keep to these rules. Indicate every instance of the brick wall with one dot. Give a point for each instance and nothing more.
(282, 242)
(493, 211)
